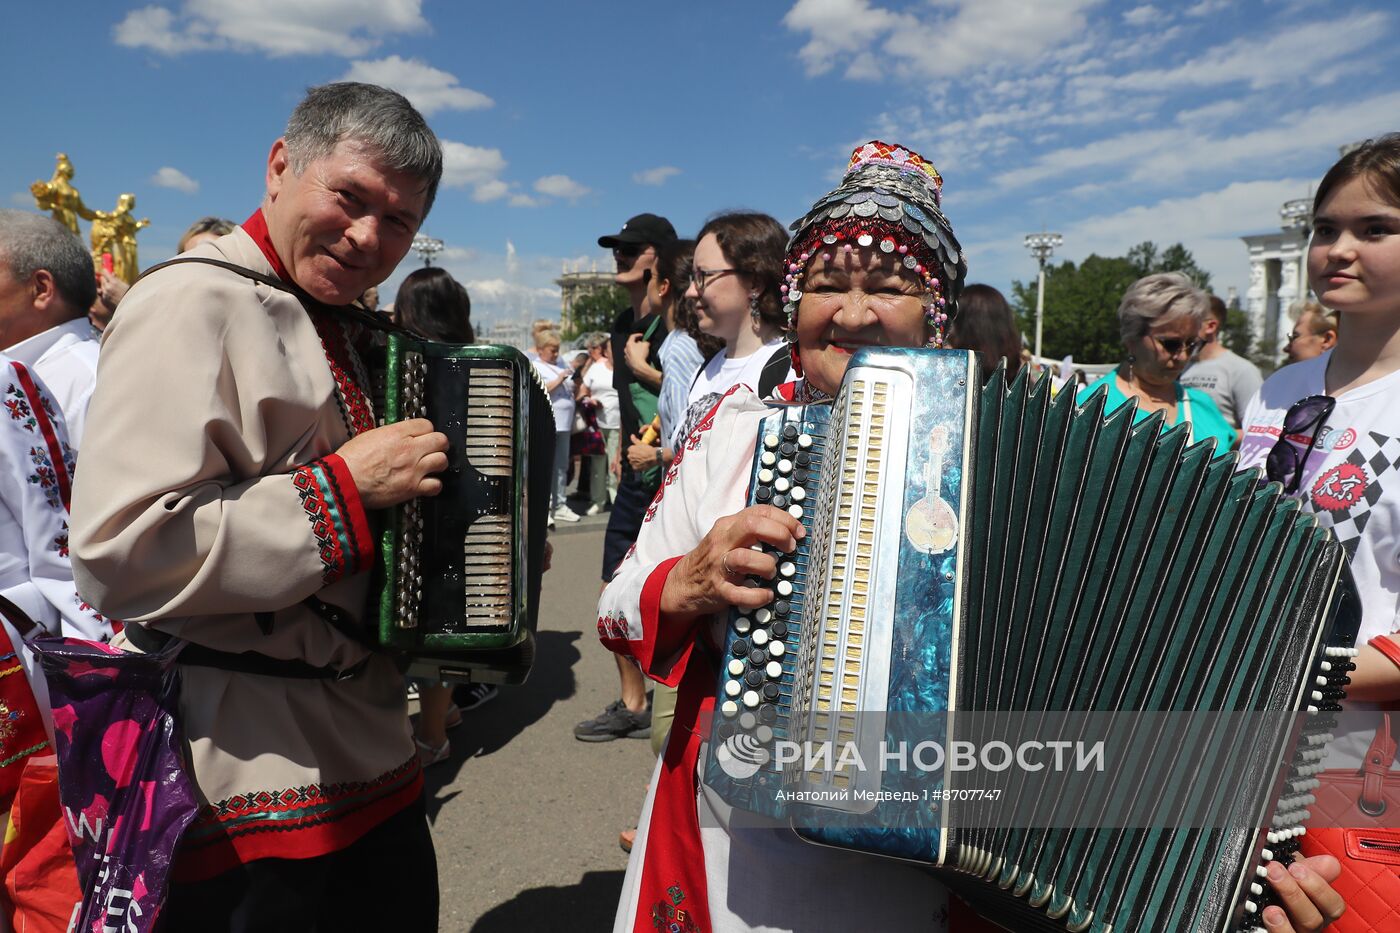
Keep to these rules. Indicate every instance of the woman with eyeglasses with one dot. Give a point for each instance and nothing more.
(1328, 429)
(735, 290)
(1160, 320)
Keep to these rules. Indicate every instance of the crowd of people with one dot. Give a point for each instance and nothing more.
(212, 486)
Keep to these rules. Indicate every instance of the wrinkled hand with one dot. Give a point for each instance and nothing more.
(641, 456)
(110, 289)
(711, 577)
(1310, 901)
(637, 350)
(394, 463)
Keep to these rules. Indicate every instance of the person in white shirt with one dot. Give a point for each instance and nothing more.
(598, 385)
(559, 382)
(46, 288)
(736, 286)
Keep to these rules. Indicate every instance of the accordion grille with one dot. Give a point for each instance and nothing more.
(489, 541)
(836, 642)
(490, 422)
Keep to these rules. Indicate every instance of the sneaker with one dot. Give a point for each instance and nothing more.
(594, 509)
(615, 722)
(565, 514)
(549, 523)
(473, 695)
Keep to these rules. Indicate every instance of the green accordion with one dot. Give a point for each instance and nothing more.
(458, 577)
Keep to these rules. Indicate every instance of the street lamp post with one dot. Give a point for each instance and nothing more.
(426, 247)
(1042, 246)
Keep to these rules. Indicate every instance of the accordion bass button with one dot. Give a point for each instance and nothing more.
(775, 670)
(804, 441)
(770, 692)
(733, 688)
(742, 625)
(788, 568)
(729, 707)
(779, 629)
(736, 667)
(765, 476)
(795, 511)
(784, 588)
(763, 734)
(776, 649)
(798, 494)
(790, 432)
(768, 713)
(739, 648)
(757, 657)
(759, 637)
(770, 441)
(785, 467)
(747, 721)
(763, 616)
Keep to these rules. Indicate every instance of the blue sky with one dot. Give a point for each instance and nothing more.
(1110, 122)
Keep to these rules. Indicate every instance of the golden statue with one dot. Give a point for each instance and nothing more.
(114, 233)
(60, 198)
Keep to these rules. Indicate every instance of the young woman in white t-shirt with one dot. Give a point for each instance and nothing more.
(735, 287)
(1328, 429)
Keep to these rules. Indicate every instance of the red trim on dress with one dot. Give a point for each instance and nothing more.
(268, 828)
(36, 404)
(354, 509)
(1387, 647)
(256, 227)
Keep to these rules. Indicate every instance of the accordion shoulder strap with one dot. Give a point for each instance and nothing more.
(360, 315)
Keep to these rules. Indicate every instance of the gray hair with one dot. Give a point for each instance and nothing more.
(380, 119)
(1159, 299)
(30, 242)
(215, 225)
(594, 340)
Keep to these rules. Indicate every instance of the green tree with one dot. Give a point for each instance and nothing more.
(1081, 302)
(596, 310)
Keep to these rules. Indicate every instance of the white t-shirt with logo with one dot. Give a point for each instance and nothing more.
(720, 373)
(1351, 481)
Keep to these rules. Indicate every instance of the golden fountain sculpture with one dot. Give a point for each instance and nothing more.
(113, 232)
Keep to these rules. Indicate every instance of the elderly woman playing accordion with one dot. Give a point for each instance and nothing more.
(855, 279)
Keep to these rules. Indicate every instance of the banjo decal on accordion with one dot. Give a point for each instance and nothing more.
(987, 559)
(459, 573)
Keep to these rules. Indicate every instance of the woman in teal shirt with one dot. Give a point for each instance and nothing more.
(1160, 319)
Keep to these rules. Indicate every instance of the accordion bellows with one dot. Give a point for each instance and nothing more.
(993, 550)
(459, 573)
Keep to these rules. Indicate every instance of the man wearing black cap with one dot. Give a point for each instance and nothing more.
(634, 250)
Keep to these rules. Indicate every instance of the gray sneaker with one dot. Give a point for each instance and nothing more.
(615, 722)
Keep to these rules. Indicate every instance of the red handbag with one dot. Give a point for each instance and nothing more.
(1367, 801)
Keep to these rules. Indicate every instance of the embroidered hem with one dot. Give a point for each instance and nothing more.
(337, 516)
(294, 823)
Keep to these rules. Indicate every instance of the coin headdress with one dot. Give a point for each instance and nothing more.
(889, 198)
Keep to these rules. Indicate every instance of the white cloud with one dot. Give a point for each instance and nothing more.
(167, 177)
(430, 89)
(561, 186)
(959, 37)
(1306, 54)
(1143, 15)
(474, 167)
(655, 176)
(1159, 156)
(274, 27)
(520, 199)
(1207, 7)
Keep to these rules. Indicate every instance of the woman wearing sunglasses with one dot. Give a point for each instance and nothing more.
(1328, 429)
(1160, 320)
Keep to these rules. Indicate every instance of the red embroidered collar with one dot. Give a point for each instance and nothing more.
(256, 227)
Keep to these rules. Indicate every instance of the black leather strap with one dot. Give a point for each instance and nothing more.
(246, 662)
(17, 617)
(367, 318)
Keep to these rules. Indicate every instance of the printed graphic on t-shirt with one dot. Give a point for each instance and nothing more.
(1347, 492)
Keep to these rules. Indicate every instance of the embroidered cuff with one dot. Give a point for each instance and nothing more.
(337, 517)
(1387, 647)
(665, 647)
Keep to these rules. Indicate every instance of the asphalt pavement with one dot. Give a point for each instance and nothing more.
(525, 817)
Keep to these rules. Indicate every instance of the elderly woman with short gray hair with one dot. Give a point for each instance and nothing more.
(1160, 320)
